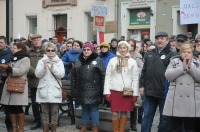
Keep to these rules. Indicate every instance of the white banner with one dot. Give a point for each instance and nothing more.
(189, 11)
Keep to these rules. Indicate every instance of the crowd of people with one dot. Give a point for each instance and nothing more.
(164, 74)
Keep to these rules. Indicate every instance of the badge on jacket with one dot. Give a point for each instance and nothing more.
(162, 57)
(3, 61)
(94, 62)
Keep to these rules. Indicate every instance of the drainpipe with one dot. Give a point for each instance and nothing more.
(116, 15)
(7, 20)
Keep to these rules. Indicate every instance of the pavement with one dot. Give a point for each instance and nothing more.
(65, 125)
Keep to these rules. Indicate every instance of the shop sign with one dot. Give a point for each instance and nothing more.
(140, 17)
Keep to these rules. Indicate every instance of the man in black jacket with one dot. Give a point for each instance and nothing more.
(152, 82)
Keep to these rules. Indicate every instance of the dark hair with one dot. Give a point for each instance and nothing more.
(21, 46)
(79, 42)
(27, 43)
(4, 38)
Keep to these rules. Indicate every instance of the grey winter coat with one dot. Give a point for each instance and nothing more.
(20, 69)
(35, 56)
(183, 97)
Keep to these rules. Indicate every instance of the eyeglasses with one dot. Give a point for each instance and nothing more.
(50, 50)
(86, 49)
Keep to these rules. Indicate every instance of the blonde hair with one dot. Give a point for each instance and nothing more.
(186, 46)
(64, 45)
(50, 45)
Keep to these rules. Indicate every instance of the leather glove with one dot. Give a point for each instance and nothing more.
(108, 97)
(3, 66)
(134, 99)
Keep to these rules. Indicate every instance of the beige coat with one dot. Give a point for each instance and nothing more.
(20, 69)
(183, 97)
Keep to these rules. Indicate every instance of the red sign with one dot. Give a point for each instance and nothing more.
(99, 21)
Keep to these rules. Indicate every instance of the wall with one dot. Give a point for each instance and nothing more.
(3, 17)
(164, 21)
(77, 21)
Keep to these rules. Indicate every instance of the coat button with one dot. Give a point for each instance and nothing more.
(180, 83)
(180, 95)
(188, 96)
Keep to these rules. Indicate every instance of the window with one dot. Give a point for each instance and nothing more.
(60, 21)
(32, 25)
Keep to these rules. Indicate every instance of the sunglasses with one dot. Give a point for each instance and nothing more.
(86, 49)
(103, 47)
(50, 50)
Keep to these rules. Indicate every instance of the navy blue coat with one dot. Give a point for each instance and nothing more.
(5, 58)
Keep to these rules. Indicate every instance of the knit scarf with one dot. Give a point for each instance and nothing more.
(122, 62)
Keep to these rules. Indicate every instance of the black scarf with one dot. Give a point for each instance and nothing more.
(104, 53)
(19, 55)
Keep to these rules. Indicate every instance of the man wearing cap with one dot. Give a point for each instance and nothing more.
(152, 82)
(180, 40)
(35, 54)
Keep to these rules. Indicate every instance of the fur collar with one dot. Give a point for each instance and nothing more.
(87, 61)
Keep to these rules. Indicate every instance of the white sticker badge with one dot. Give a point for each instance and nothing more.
(15, 58)
(3, 61)
(94, 62)
(162, 57)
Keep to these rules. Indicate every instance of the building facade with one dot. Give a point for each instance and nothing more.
(3, 17)
(61, 18)
(147, 17)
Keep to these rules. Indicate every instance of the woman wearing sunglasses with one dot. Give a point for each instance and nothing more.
(88, 75)
(49, 70)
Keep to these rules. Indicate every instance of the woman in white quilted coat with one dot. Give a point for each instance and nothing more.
(122, 71)
(49, 93)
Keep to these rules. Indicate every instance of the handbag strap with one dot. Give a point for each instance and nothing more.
(123, 80)
(55, 77)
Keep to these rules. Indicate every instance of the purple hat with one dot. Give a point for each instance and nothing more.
(89, 46)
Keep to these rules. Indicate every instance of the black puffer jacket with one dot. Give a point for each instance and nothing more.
(89, 78)
(153, 72)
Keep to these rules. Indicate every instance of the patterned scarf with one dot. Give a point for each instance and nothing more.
(122, 62)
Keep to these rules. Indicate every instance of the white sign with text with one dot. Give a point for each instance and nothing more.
(190, 11)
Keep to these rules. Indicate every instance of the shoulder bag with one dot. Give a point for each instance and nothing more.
(15, 84)
(127, 91)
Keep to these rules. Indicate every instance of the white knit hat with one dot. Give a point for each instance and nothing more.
(197, 36)
(126, 43)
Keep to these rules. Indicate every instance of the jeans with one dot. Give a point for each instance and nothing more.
(150, 106)
(35, 105)
(90, 110)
